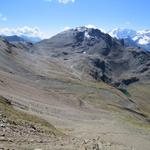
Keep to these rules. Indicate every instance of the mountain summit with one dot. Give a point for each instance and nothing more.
(96, 55)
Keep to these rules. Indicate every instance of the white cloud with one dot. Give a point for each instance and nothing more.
(26, 31)
(2, 17)
(62, 1)
(95, 27)
(66, 1)
(66, 28)
(35, 31)
(91, 26)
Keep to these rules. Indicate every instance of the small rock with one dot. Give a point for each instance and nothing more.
(108, 144)
(2, 135)
(2, 125)
(96, 147)
(100, 146)
(3, 139)
(85, 141)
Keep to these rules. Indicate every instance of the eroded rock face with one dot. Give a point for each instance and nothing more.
(100, 70)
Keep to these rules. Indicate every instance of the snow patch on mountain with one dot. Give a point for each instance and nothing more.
(144, 40)
(86, 34)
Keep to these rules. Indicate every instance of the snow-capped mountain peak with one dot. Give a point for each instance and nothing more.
(122, 33)
(140, 38)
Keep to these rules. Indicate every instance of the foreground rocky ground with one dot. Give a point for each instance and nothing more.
(21, 131)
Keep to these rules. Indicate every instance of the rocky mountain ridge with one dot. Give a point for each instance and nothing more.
(90, 52)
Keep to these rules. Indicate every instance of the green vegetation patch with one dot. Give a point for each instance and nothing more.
(125, 92)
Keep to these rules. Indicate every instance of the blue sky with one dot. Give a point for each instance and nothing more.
(52, 16)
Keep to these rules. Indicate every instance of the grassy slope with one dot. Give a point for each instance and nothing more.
(140, 93)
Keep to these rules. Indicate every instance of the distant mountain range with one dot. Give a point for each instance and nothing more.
(15, 38)
(132, 37)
